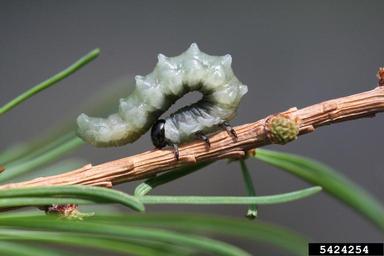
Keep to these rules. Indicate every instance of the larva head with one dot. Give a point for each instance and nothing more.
(158, 134)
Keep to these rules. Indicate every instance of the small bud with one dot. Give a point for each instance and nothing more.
(282, 129)
(66, 211)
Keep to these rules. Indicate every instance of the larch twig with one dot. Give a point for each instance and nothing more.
(249, 136)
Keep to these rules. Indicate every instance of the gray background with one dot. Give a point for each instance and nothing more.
(292, 53)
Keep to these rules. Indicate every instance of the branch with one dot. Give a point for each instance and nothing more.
(277, 128)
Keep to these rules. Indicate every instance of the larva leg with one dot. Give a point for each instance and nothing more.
(176, 151)
(203, 137)
(229, 129)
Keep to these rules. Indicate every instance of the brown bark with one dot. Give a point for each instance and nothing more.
(250, 136)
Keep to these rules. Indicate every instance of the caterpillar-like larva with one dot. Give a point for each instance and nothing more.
(171, 78)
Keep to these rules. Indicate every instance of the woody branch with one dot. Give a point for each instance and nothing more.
(277, 128)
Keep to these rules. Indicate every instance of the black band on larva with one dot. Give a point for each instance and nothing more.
(171, 78)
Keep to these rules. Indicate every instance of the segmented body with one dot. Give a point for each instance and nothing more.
(171, 78)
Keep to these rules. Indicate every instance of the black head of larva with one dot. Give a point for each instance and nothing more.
(158, 134)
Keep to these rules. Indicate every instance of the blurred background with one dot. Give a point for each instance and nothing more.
(289, 54)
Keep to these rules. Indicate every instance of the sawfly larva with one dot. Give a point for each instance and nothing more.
(154, 93)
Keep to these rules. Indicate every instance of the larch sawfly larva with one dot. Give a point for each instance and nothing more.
(154, 93)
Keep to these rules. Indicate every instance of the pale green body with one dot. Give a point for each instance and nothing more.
(171, 78)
